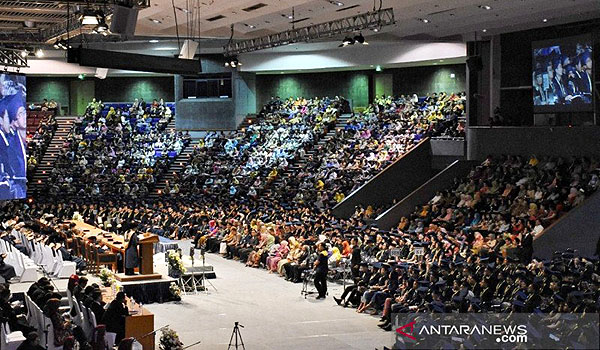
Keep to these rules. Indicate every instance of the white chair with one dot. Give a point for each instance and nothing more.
(110, 340)
(10, 340)
(50, 340)
(29, 273)
(64, 269)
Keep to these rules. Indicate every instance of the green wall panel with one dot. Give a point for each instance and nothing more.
(352, 85)
(428, 79)
(39, 88)
(128, 89)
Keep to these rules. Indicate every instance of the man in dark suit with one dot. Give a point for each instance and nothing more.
(114, 317)
(97, 305)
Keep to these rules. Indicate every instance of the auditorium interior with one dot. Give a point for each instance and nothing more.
(299, 174)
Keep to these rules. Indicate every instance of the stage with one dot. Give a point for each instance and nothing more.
(154, 288)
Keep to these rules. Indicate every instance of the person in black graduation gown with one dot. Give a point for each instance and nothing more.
(6, 271)
(114, 317)
(131, 252)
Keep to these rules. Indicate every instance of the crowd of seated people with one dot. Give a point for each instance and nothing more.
(245, 162)
(371, 141)
(118, 153)
(38, 143)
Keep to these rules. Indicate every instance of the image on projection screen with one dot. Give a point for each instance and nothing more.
(13, 147)
(562, 73)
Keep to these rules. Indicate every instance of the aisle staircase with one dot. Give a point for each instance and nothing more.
(45, 166)
(297, 165)
(177, 167)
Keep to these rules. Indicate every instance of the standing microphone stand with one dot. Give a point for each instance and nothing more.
(202, 278)
(189, 346)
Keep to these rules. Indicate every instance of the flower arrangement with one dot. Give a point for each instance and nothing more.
(169, 340)
(176, 267)
(107, 277)
(175, 291)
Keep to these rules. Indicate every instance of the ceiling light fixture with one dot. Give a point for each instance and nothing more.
(424, 20)
(157, 21)
(485, 7)
(232, 62)
(153, 41)
(545, 20)
(484, 30)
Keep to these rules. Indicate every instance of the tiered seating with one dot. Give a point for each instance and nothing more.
(35, 118)
(117, 153)
(246, 161)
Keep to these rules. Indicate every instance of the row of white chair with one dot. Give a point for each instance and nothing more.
(25, 268)
(51, 260)
(43, 324)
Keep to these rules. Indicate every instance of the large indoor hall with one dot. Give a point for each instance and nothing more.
(299, 174)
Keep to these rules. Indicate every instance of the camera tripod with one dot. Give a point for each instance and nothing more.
(239, 342)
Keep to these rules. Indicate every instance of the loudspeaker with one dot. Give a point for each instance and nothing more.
(188, 50)
(124, 20)
(475, 63)
(101, 73)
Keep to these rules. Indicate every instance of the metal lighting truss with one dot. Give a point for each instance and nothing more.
(369, 20)
(12, 58)
(48, 33)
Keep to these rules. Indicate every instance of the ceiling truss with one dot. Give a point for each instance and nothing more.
(370, 20)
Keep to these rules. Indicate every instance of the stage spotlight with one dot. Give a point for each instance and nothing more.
(347, 41)
(361, 39)
(102, 27)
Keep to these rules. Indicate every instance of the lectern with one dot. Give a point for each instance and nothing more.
(146, 251)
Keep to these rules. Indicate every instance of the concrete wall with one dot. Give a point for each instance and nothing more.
(441, 181)
(394, 182)
(579, 229)
(206, 114)
(558, 141)
(217, 113)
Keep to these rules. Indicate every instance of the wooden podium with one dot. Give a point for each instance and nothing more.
(146, 266)
(146, 250)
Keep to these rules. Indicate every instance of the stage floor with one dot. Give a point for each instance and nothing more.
(272, 310)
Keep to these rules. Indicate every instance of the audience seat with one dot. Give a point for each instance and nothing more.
(10, 340)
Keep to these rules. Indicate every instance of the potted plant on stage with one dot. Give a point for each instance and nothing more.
(175, 292)
(107, 277)
(176, 268)
(169, 340)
